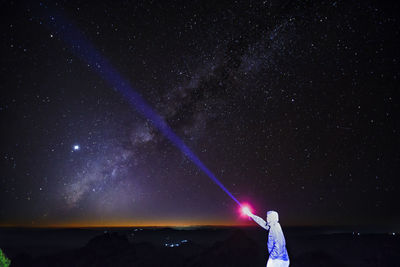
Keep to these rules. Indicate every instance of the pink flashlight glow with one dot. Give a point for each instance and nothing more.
(245, 210)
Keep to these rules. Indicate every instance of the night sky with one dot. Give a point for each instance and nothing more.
(293, 105)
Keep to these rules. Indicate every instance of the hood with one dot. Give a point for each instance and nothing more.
(272, 217)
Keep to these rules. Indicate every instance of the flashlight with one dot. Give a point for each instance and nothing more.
(245, 210)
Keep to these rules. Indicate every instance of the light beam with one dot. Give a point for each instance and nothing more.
(84, 50)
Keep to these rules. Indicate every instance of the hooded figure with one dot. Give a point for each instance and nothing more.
(278, 256)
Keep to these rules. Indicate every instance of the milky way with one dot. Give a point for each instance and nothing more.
(291, 104)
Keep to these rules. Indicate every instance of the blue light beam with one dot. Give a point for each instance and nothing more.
(83, 49)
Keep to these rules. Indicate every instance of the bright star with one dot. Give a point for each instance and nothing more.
(76, 147)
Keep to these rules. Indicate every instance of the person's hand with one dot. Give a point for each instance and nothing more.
(247, 211)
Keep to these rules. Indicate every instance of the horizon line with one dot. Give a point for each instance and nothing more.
(85, 226)
(121, 226)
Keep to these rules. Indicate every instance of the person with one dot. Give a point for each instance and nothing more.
(278, 256)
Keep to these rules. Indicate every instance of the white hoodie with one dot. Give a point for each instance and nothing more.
(276, 240)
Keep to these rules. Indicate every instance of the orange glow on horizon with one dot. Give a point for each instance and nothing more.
(123, 224)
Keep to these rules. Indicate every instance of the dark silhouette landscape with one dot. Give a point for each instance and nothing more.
(203, 246)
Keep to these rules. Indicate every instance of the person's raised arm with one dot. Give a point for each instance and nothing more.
(257, 219)
(260, 221)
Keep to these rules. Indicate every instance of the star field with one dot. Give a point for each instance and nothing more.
(292, 104)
